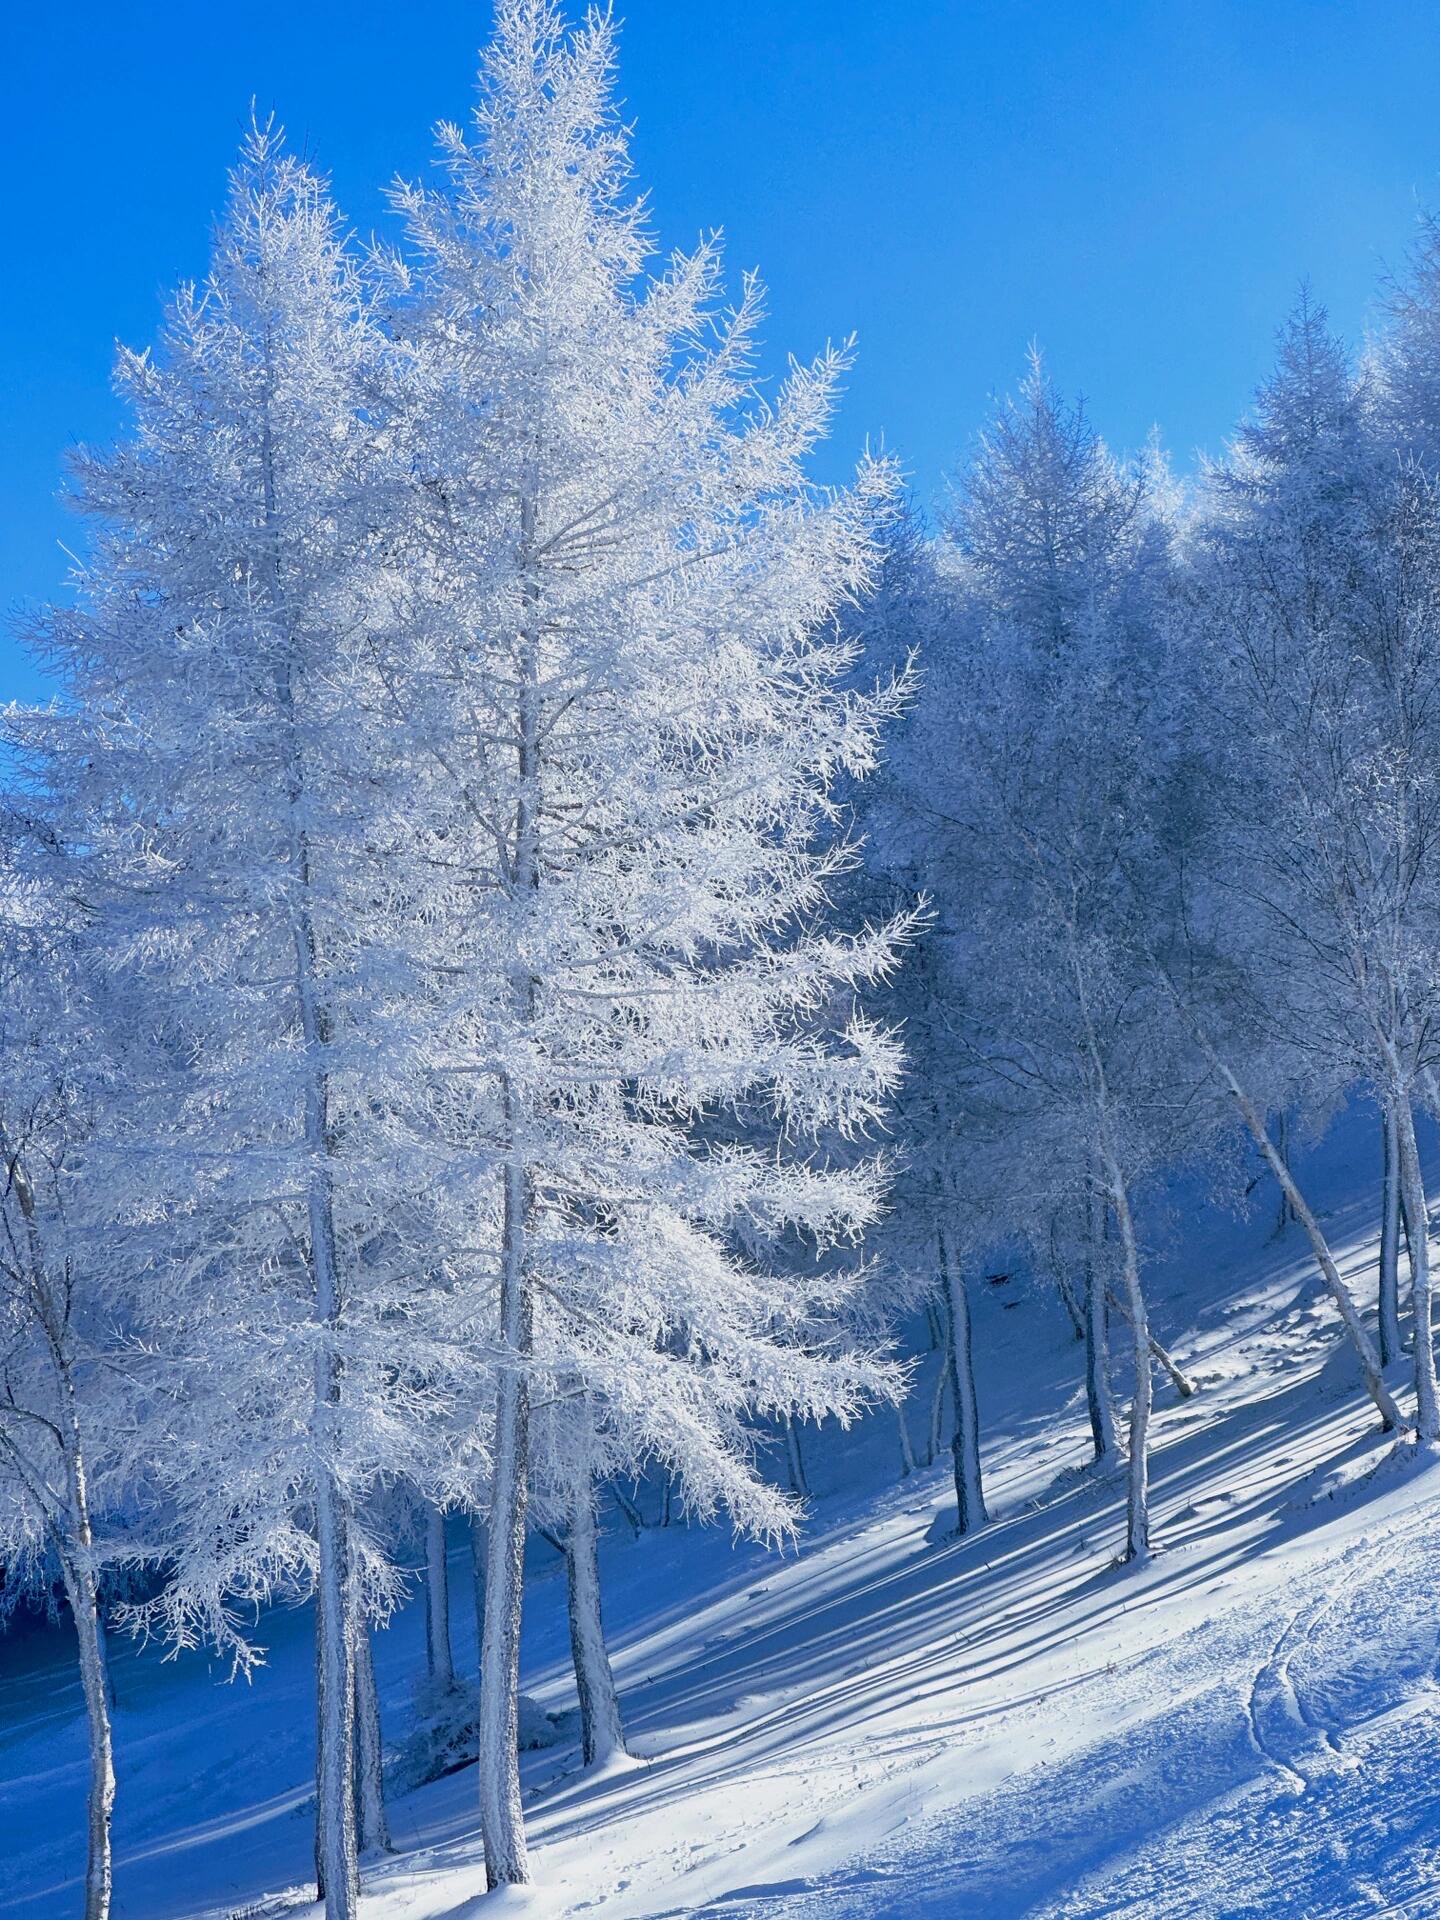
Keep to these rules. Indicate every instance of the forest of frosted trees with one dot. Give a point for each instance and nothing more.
(536, 938)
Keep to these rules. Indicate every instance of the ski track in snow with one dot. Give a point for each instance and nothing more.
(1004, 1728)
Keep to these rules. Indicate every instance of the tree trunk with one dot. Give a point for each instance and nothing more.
(1181, 1380)
(628, 1507)
(502, 1817)
(1427, 1412)
(1339, 1292)
(602, 1735)
(439, 1661)
(936, 1437)
(907, 1452)
(798, 1483)
(1137, 1506)
(338, 1868)
(80, 1591)
(1286, 1211)
(1098, 1399)
(1062, 1279)
(372, 1823)
(477, 1570)
(965, 1442)
(335, 1783)
(1389, 1292)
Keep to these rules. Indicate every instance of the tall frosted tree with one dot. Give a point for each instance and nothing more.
(71, 1404)
(1317, 590)
(1020, 796)
(234, 790)
(621, 595)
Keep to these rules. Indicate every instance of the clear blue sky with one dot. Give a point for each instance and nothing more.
(1139, 186)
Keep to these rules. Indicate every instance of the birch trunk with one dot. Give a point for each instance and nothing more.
(1098, 1400)
(502, 1819)
(335, 1798)
(81, 1592)
(439, 1661)
(1137, 1505)
(1181, 1380)
(1286, 1211)
(372, 1822)
(77, 1564)
(477, 1572)
(907, 1452)
(936, 1436)
(798, 1483)
(1062, 1280)
(338, 1868)
(965, 1442)
(1349, 1313)
(627, 1506)
(1427, 1412)
(1389, 1291)
(602, 1735)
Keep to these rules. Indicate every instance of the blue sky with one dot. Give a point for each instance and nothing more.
(1139, 186)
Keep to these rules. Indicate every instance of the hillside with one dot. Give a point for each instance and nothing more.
(888, 1721)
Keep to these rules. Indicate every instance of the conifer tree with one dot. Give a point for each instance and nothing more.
(627, 682)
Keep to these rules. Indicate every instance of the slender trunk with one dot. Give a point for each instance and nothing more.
(1389, 1293)
(372, 1823)
(77, 1564)
(965, 1443)
(936, 1438)
(1349, 1313)
(502, 1817)
(338, 1865)
(103, 1634)
(907, 1452)
(335, 1797)
(932, 1321)
(667, 1498)
(439, 1661)
(602, 1735)
(1286, 1211)
(319, 1837)
(628, 1507)
(1181, 1380)
(1062, 1280)
(80, 1591)
(1137, 1505)
(798, 1483)
(1098, 1397)
(477, 1572)
(1427, 1411)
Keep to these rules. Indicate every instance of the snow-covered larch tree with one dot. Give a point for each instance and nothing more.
(1317, 591)
(236, 792)
(68, 1408)
(1019, 794)
(621, 602)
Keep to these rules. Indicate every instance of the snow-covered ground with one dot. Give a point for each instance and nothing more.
(889, 1721)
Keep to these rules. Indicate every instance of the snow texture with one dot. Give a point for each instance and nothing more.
(875, 1724)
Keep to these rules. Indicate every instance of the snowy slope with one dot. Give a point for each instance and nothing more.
(891, 1722)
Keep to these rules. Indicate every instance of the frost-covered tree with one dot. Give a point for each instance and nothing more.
(236, 793)
(68, 1400)
(621, 596)
(1317, 590)
(1056, 1071)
